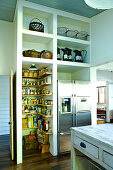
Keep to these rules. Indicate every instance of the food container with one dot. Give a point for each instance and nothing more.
(26, 73)
(35, 74)
(48, 112)
(31, 74)
(24, 123)
(49, 102)
(48, 79)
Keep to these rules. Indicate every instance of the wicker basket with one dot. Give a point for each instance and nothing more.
(36, 26)
(62, 31)
(31, 53)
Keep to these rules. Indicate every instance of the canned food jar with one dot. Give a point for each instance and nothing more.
(31, 74)
(26, 73)
(49, 102)
(35, 74)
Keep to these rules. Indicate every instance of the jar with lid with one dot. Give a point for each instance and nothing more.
(31, 74)
(35, 74)
(26, 73)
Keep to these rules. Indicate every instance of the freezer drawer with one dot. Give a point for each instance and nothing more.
(64, 142)
(83, 119)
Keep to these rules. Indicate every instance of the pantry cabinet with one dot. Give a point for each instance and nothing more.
(47, 40)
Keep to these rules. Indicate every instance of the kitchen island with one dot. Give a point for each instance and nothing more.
(92, 147)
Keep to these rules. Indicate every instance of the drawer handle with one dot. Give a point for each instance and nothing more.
(83, 145)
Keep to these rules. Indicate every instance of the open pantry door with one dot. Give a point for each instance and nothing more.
(11, 117)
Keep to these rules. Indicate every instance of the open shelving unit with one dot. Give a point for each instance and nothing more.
(49, 40)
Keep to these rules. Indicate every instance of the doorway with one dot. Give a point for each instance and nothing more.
(5, 154)
(4, 119)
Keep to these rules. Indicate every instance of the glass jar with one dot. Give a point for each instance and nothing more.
(35, 74)
(26, 73)
(31, 74)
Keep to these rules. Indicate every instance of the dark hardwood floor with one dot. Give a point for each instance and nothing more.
(34, 161)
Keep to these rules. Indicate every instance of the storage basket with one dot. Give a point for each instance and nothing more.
(36, 26)
(31, 53)
(62, 31)
(71, 33)
(83, 35)
(42, 138)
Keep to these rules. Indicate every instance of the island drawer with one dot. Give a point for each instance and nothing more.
(108, 159)
(86, 146)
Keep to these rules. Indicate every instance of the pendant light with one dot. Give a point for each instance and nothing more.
(100, 4)
(33, 67)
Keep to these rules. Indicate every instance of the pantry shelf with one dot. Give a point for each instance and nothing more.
(45, 74)
(45, 115)
(41, 85)
(30, 128)
(47, 133)
(30, 77)
(36, 37)
(37, 94)
(24, 113)
(72, 42)
(39, 77)
(35, 105)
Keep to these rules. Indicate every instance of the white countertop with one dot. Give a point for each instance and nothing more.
(102, 132)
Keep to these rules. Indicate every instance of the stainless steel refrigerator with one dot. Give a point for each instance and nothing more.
(74, 109)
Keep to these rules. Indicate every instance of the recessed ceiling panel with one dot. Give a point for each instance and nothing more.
(78, 7)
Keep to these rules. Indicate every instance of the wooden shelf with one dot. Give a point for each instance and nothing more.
(37, 114)
(45, 74)
(41, 85)
(47, 133)
(30, 77)
(37, 94)
(46, 84)
(35, 105)
(28, 113)
(30, 128)
(39, 77)
(45, 115)
(31, 86)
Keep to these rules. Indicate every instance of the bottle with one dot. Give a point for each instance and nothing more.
(29, 121)
(46, 125)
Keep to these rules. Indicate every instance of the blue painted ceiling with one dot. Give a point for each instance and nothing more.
(7, 7)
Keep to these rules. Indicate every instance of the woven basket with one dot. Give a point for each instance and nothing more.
(36, 26)
(31, 53)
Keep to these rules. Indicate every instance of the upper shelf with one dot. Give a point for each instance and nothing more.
(72, 42)
(36, 37)
(67, 66)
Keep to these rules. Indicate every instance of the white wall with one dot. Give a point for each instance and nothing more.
(4, 105)
(104, 75)
(6, 47)
(102, 38)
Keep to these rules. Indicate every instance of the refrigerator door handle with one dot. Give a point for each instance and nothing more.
(65, 133)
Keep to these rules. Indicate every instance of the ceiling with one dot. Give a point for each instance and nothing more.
(7, 7)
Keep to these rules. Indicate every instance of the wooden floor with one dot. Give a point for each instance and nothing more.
(36, 161)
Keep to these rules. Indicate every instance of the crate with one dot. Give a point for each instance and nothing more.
(42, 138)
(24, 123)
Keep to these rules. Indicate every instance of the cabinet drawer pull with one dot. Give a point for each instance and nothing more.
(83, 145)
